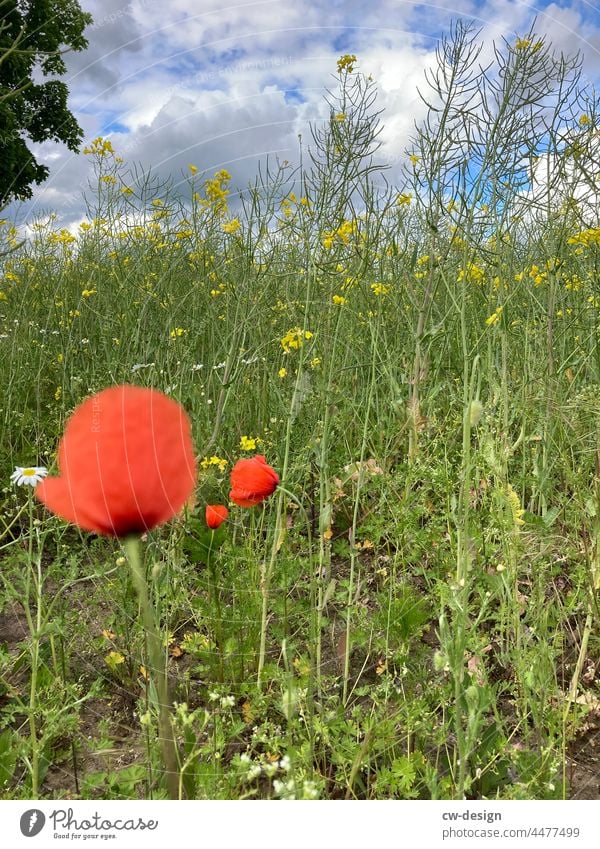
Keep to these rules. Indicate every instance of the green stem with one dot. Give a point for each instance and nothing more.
(355, 514)
(215, 599)
(158, 667)
(266, 569)
(35, 631)
(463, 568)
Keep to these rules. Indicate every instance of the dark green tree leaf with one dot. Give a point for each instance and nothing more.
(34, 35)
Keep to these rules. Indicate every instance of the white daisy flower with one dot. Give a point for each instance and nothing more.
(28, 475)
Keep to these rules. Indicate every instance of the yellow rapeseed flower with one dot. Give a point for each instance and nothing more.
(494, 318)
(231, 226)
(471, 273)
(114, 659)
(294, 339)
(207, 462)
(99, 147)
(380, 289)
(346, 63)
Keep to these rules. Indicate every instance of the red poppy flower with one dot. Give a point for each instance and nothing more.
(252, 480)
(215, 515)
(126, 463)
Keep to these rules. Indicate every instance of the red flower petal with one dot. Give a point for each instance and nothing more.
(215, 515)
(252, 480)
(126, 462)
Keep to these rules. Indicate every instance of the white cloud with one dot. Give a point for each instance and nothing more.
(179, 85)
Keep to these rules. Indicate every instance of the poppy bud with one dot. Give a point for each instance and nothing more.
(252, 480)
(215, 515)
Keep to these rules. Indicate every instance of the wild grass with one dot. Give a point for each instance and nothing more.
(413, 613)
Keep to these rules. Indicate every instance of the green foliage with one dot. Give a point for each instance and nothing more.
(413, 614)
(33, 35)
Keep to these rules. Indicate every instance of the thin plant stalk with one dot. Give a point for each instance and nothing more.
(266, 568)
(35, 629)
(365, 433)
(461, 590)
(215, 599)
(158, 667)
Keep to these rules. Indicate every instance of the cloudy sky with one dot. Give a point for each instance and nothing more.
(226, 85)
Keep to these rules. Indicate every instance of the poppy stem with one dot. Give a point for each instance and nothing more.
(215, 599)
(157, 667)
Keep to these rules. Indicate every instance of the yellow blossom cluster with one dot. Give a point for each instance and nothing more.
(294, 339)
(343, 234)
(99, 147)
(573, 283)
(525, 44)
(586, 238)
(471, 273)
(232, 226)
(495, 317)
(538, 275)
(207, 462)
(346, 63)
(216, 191)
(421, 262)
(61, 237)
(380, 289)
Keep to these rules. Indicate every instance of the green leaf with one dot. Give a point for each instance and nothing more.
(8, 755)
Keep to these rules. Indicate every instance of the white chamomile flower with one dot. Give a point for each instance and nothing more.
(28, 475)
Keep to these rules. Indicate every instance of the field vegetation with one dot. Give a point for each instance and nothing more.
(412, 613)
